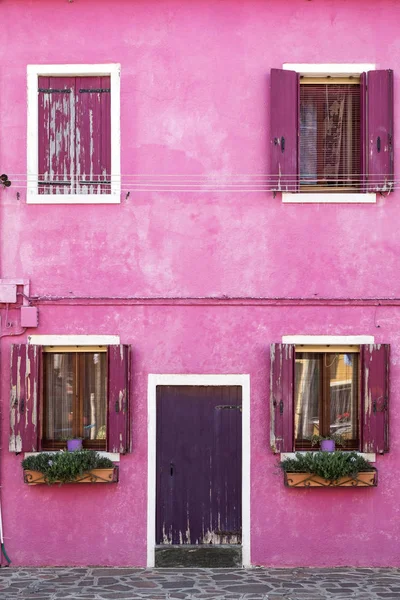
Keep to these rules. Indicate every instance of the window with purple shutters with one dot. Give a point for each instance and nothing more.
(331, 134)
(327, 391)
(61, 393)
(74, 135)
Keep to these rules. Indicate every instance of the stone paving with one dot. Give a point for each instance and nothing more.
(100, 583)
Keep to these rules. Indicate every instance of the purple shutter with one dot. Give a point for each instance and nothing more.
(375, 392)
(56, 135)
(93, 134)
(25, 393)
(284, 112)
(282, 382)
(363, 133)
(118, 433)
(380, 131)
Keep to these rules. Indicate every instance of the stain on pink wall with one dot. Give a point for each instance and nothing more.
(194, 102)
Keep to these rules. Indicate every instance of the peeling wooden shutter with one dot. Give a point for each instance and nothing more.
(24, 406)
(282, 382)
(375, 391)
(118, 432)
(284, 112)
(56, 134)
(380, 131)
(93, 134)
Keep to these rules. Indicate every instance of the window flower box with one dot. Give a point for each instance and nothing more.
(307, 480)
(80, 466)
(94, 476)
(328, 469)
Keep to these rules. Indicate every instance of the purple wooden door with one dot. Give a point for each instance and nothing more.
(199, 465)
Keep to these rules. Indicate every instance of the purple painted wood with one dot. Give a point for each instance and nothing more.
(93, 134)
(56, 136)
(199, 450)
(380, 131)
(118, 432)
(375, 396)
(281, 396)
(284, 112)
(24, 401)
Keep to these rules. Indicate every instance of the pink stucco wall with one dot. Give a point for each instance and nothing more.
(194, 101)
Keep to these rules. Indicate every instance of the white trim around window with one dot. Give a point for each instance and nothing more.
(326, 340)
(339, 70)
(33, 73)
(74, 340)
(153, 382)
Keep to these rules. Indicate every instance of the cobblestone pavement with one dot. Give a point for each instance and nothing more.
(201, 584)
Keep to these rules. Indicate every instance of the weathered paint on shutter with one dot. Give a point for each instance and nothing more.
(93, 134)
(282, 382)
(380, 131)
(284, 112)
(375, 392)
(56, 134)
(24, 405)
(118, 432)
(363, 132)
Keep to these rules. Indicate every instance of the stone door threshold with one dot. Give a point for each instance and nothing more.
(198, 556)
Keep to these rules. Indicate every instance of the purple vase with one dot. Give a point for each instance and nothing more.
(73, 445)
(327, 445)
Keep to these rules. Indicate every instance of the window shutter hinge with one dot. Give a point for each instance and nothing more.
(95, 91)
(54, 91)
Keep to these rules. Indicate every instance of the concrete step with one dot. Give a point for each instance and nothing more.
(199, 556)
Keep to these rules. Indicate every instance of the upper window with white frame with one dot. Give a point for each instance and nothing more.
(73, 134)
(331, 132)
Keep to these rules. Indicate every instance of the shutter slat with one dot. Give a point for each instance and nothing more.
(118, 433)
(24, 405)
(380, 131)
(375, 390)
(93, 133)
(56, 135)
(284, 112)
(282, 384)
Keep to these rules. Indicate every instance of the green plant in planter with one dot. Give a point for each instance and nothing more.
(328, 465)
(335, 437)
(64, 467)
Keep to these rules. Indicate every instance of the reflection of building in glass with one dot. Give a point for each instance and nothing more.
(326, 395)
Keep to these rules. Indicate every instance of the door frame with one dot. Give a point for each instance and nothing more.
(197, 380)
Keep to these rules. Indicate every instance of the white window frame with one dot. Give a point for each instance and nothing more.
(328, 340)
(76, 340)
(320, 70)
(100, 70)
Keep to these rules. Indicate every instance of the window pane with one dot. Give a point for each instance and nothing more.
(342, 372)
(94, 395)
(330, 135)
(59, 395)
(307, 394)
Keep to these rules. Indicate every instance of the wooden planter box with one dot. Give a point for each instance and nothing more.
(94, 476)
(307, 480)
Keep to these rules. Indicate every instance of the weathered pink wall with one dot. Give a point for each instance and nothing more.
(194, 101)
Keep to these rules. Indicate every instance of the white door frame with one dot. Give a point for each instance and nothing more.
(199, 380)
